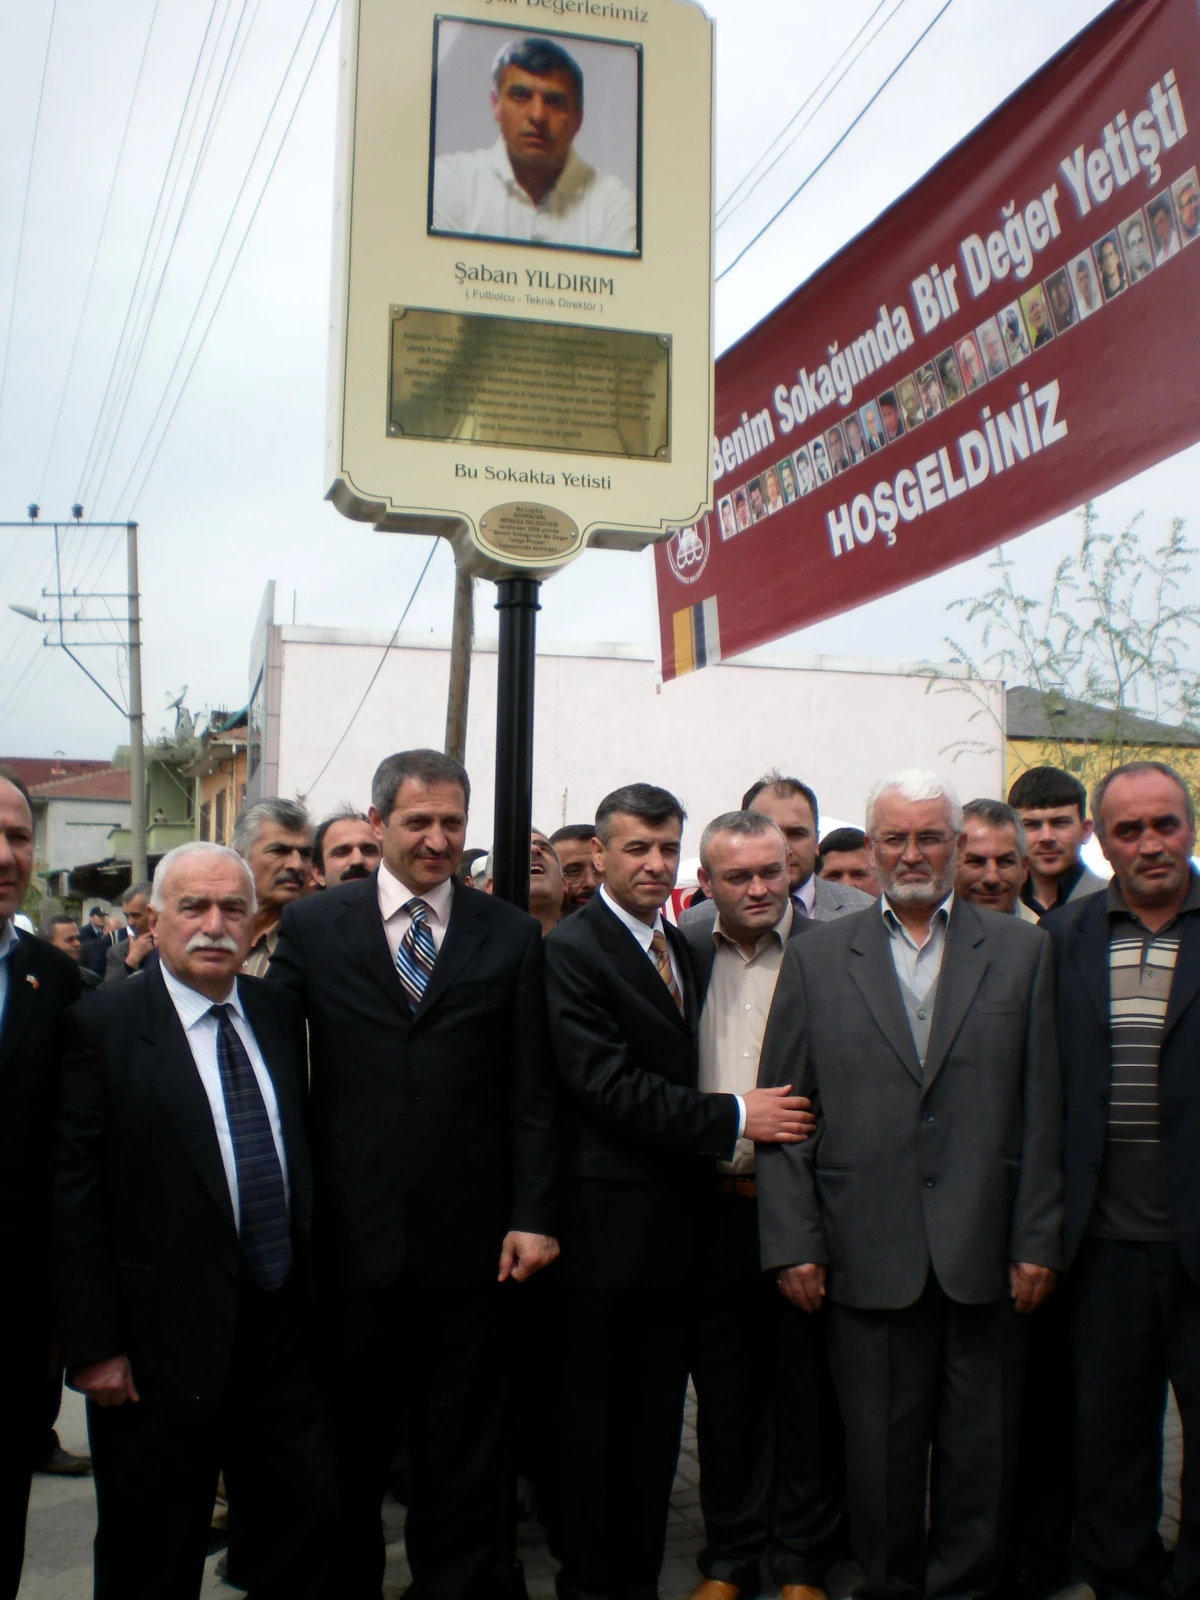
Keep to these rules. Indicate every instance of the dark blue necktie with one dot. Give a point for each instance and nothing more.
(262, 1199)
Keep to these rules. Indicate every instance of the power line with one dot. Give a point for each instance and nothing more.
(730, 209)
(836, 146)
(386, 649)
(226, 231)
(87, 293)
(145, 252)
(808, 99)
(37, 122)
(220, 96)
(137, 346)
(228, 277)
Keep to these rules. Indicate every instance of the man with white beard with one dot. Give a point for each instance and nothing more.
(923, 1218)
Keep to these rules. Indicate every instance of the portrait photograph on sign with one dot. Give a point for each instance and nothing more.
(535, 138)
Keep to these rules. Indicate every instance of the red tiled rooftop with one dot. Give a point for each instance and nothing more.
(36, 770)
(110, 783)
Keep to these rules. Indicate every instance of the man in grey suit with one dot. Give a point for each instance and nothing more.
(126, 956)
(792, 807)
(926, 1211)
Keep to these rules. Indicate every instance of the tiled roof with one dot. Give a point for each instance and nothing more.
(1030, 714)
(35, 770)
(110, 783)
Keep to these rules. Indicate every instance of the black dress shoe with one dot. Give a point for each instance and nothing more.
(62, 1464)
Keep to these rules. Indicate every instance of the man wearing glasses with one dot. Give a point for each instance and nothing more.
(925, 1213)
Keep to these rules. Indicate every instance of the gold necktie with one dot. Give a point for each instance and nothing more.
(662, 960)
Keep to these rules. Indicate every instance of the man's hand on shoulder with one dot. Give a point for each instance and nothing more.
(106, 1383)
(804, 1286)
(777, 1116)
(523, 1254)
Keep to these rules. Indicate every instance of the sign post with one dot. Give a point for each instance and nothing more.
(522, 316)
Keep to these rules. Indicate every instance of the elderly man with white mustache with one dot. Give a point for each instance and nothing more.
(181, 1210)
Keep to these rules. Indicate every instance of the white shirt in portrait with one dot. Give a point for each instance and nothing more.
(475, 191)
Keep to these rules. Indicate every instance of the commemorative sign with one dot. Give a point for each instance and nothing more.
(1017, 333)
(521, 341)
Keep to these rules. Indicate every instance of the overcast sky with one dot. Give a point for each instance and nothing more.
(235, 495)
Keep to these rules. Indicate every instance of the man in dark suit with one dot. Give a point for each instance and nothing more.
(767, 1428)
(182, 1203)
(927, 1209)
(37, 984)
(639, 1138)
(1128, 966)
(134, 943)
(432, 1130)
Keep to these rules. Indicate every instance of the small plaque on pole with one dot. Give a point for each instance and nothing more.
(523, 275)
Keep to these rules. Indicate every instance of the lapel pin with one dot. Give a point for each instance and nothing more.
(29, 978)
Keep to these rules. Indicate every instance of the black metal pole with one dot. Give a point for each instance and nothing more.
(517, 603)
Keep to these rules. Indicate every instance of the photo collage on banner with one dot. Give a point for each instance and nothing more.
(1076, 290)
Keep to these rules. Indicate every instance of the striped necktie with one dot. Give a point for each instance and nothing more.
(266, 1234)
(662, 960)
(417, 952)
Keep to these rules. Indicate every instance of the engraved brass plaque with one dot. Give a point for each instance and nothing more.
(527, 531)
(544, 386)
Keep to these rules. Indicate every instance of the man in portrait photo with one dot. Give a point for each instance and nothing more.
(1162, 225)
(855, 442)
(992, 346)
(910, 402)
(838, 458)
(820, 461)
(728, 525)
(1087, 294)
(532, 184)
(1037, 315)
(1187, 203)
(1112, 268)
(889, 412)
(787, 481)
(804, 471)
(758, 505)
(741, 509)
(971, 362)
(1137, 249)
(771, 486)
(1062, 301)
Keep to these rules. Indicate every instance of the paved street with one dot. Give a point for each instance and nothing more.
(62, 1519)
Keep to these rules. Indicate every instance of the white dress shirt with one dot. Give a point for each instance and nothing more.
(475, 191)
(644, 932)
(8, 943)
(195, 1013)
(394, 896)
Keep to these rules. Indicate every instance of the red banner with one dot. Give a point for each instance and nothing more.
(1016, 334)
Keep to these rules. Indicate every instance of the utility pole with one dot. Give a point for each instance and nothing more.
(137, 721)
(462, 640)
(133, 645)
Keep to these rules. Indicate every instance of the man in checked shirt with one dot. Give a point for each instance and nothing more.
(1128, 966)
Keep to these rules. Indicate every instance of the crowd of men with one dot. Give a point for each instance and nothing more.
(892, 1144)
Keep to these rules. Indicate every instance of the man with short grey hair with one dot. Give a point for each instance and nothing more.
(766, 1424)
(993, 859)
(275, 838)
(926, 1211)
(135, 941)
